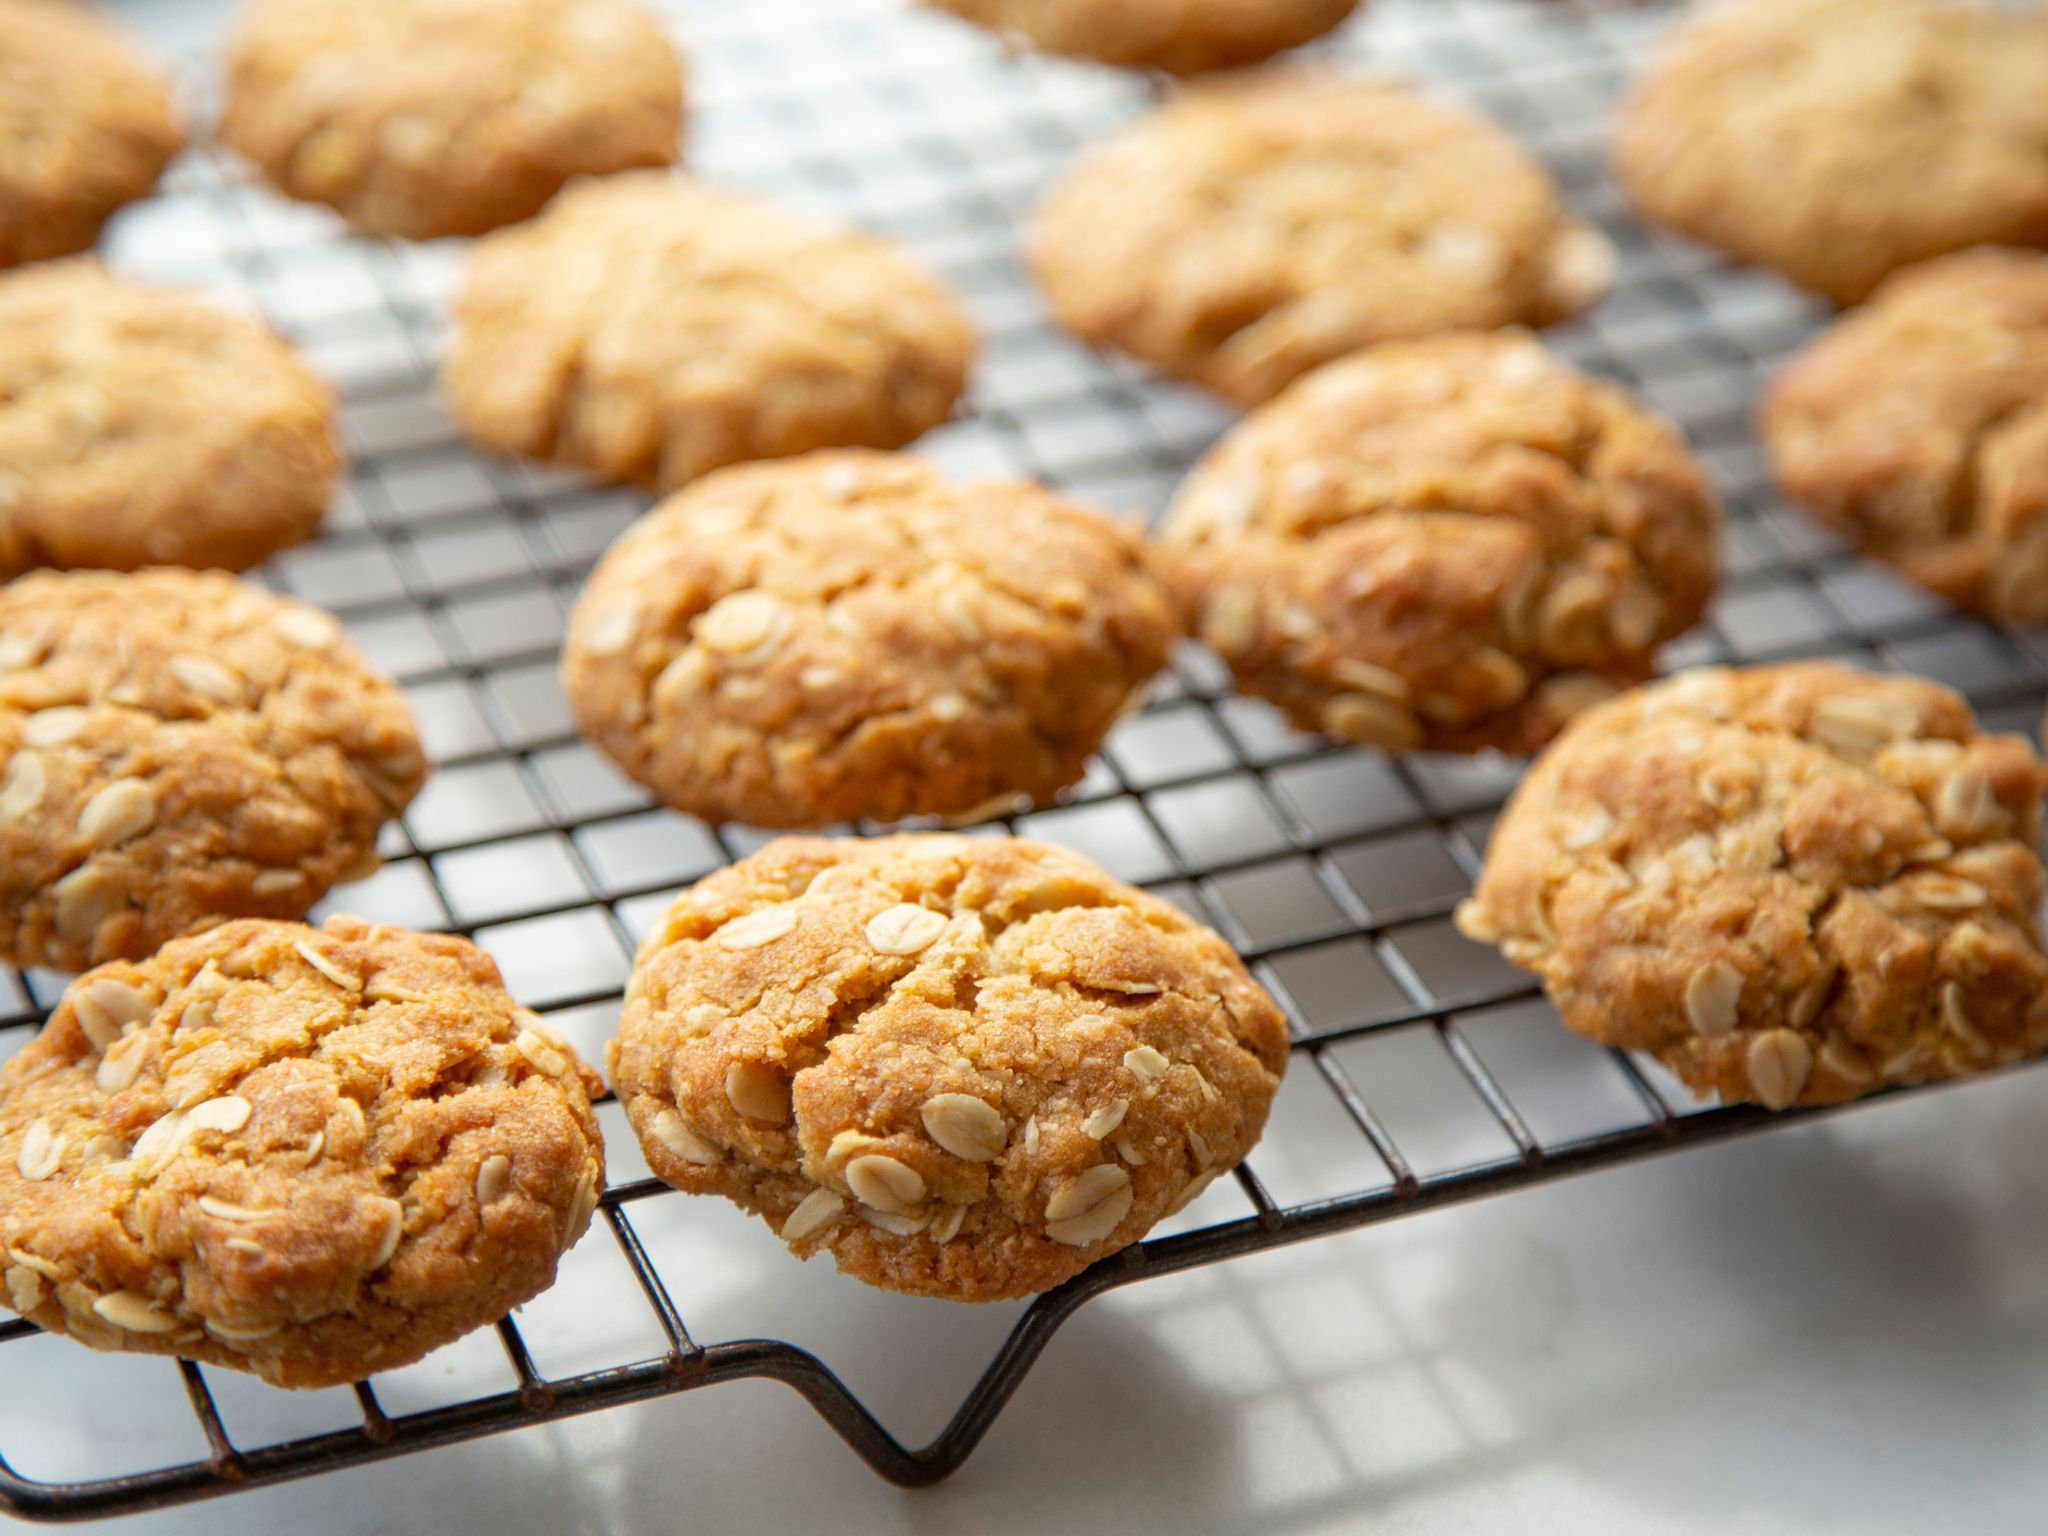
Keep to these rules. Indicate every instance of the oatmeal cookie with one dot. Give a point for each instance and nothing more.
(176, 748)
(1253, 229)
(424, 118)
(1181, 37)
(847, 636)
(651, 330)
(1791, 884)
(141, 427)
(309, 1153)
(86, 127)
(965, 1068)
(1920, 426)
(1839, 140)
(1450, 544)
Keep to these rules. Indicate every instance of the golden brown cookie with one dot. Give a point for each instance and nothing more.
(176, 748)
(86, 127)
(1791, 884)
(848, 636)
(1451, 544)
(965, 1068)
(310, 1153)
(651, 330)
(423, 118)
(141, 427)
(1253, 229)
(1839, 140)
(1919, 425)
(1182, 37)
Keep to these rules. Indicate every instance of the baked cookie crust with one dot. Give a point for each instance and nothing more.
(1791, 884)
(1919, 425)
(176, 748)
(1840, 140)
(965, 1068)
(651, 330)
(1453, 544)
(142, 427)
(1254, 228)
(426, 118)
(86, 127)
(308, 1153)
(1181, 37)
(848, 636)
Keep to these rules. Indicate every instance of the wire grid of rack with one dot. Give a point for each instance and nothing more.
(1430, 1071)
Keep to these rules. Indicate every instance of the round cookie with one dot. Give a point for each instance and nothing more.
(965, 1068)
(1182, 37)
(1839, 140)
(1919, 425)
(1253, 229)
(424, 118)
(178, 747)
(86, 127)
(651, 330)
(847, 636)
(141, 427)
(309, 1153)
(1791, 884)
(1451, 544)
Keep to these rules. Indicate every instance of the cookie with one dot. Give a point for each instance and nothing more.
(86, 127)
(1919, 425)
(964, 1068)
(176, 748)
(141, 427)
(424, 118)
(1839, 140)
(308, 1153)
(1251, 230)
(847, 636)
(1791, 884)
(1181, 37)
(651, 330)
(1451, 544)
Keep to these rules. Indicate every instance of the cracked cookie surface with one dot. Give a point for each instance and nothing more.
(1182, 37)
(142, 427)
(1791, 884)
(1839, 140)
(848, 636)
(1255, 228)
(1450, 544)
(178, 747)
(425, 118)
(651, 330)
(86, 126)
(310, 1153)
(1919, 424)
(965, 1068)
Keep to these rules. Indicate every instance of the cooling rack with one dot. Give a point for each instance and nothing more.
(1425, 1071)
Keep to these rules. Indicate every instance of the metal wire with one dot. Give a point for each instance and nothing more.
(1334, 872)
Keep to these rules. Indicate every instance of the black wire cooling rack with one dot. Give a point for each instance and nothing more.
(1426, 1072)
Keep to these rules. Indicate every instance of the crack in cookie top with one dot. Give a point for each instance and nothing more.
(1255, 228)
(142, 427)
(652, 330)
(967, 1068)
(86, 126)
(1793, 884)
(425, 118)
(848, 635)
(1839, 140)
(310, 1153)
(177, 747)
(1920, 424)
(1454, 544)
(1182, 37)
